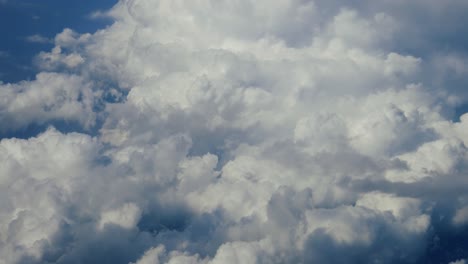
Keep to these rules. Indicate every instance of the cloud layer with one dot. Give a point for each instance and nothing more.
(242, 132)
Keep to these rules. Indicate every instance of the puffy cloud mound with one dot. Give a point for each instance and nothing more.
(286, 131)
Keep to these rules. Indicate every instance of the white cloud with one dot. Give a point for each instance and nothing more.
(37, 38)
(127, 216)
(238, 132)
(98, 15)
(51, 96)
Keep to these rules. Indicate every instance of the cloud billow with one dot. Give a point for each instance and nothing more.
(241, 132)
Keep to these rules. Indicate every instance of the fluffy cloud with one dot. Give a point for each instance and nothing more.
(51, 96)
(241, 132)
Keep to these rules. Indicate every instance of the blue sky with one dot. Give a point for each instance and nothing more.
(22, 18)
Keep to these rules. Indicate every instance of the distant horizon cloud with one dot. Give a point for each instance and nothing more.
(242, 131)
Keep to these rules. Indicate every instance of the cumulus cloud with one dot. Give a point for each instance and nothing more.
(241, 132)
(51, 96)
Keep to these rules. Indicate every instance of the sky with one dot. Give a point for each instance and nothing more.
(28, 27)
(208, 132)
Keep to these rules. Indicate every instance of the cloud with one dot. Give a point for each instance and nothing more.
(52, 96)
(99, 14)
(241, 132)
(38, 39)
(461, 261)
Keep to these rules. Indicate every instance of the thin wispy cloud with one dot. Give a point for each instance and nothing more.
(99, 15)
(37, 38)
